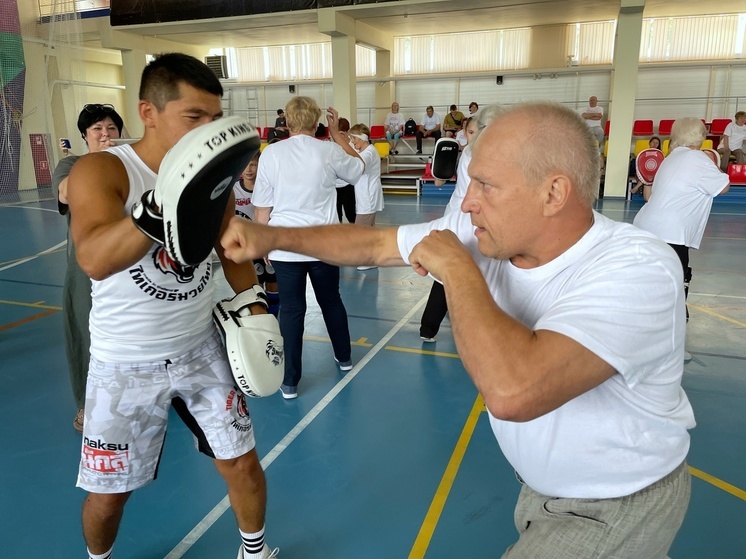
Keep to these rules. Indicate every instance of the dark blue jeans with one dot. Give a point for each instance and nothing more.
(291, 279)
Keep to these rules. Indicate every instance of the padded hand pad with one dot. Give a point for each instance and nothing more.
(648, 161)
(445, 158)
(253, 343)
(194, 185)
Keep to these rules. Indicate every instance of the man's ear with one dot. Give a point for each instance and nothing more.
(557, 192)
(147, 112)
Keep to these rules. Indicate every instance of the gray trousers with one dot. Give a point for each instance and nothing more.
(725, 158)
(641, 525)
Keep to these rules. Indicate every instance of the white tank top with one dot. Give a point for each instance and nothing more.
(155, 309)
(244, 207)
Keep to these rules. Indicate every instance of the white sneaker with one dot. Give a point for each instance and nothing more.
(267, 553)
(687, 356)
(363, 268)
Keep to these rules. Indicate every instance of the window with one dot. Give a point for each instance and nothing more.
(482, 51)
(692, 38)
(296, 62)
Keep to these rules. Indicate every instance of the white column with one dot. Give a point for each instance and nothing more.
(623, 96)
(133, 63)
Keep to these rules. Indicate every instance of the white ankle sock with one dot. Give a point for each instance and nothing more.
(253, 544)
(106, 555)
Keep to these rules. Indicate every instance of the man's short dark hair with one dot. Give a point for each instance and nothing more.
(429, 108)
(280, 111)
(453, 108)
(161, 78)
(93, 113)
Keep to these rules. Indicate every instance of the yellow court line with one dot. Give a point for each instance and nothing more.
(4, 327)
(427, 529)
(32, 305)
(717, 315)
(362, 342)
(422, 351)
(719, 483)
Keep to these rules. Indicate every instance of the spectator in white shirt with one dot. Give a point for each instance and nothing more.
(593, 115)
(429, 127)
(732, 141)
(394, 124)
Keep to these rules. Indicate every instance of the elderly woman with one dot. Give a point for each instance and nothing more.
(394, 123)
(680, 199)
(98, 125)
(296, 187)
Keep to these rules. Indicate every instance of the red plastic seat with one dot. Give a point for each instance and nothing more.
(642, 128)
(606, 127)
(377, 132)
(717, 128)
(263, 132)
(664, 127)
(737, 173)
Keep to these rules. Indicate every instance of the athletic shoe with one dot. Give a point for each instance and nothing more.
(344, 365)
(267, 553)
(363, 268)
(78, 421)
(396, 152)
(426, 339)
(289, 392)
(419, 152)
(687, 357)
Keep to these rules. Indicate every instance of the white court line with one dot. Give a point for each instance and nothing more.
(35, 256)
(19, 205)
(199, 530)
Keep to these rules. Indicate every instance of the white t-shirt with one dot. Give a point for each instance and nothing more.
(368, 190)
(244, 207)
(461, 138)
(618, 292)
(736, 135)
(599, 110)
(297, 178)
(682, 194)
(155, 309)
(394, 122)
(430, 122)
(462, 183)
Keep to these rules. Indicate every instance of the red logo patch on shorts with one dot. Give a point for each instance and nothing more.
(106, 461)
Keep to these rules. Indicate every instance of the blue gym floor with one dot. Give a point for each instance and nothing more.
(393, 460)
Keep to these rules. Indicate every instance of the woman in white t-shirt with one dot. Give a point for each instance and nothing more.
(368, 190)
(682, 193)
(461, 135)
(295, 187)
(394, 123)
(436, 306)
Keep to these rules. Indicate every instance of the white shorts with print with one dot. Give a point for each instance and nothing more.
(126, 412)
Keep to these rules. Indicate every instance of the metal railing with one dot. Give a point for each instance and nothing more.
(49, 8)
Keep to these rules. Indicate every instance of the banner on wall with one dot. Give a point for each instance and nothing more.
(132, 12)
(13, 82)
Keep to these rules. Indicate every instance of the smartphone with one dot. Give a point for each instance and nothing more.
(65, 143)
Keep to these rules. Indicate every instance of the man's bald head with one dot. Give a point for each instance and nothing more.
(550, 138)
